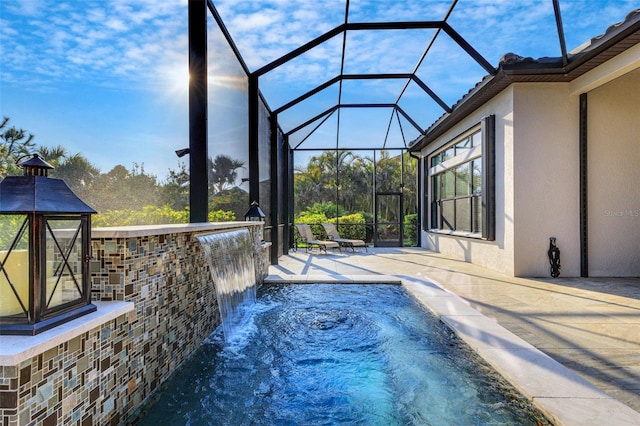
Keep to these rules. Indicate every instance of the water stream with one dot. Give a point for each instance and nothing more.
(230, 258)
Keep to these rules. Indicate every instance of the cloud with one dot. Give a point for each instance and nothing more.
(256, 21)
(115, 43)
(407, 10)
(137, 45)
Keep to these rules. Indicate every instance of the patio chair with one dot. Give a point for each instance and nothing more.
(333, 235)
(307, 236)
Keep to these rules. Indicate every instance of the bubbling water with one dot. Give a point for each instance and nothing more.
(337, 354)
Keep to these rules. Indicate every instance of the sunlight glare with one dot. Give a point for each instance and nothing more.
(176, 78)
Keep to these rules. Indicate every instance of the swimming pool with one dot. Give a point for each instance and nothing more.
(317, 354)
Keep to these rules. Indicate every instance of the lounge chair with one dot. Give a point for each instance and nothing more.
(307, 236)
(333, 235)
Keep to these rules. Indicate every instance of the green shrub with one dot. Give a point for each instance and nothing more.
(315, 220)
(327, 208)
(351, 226)
(153, 215)
(411, 230)
(9, 227)
(221, 216)
(149, 215)
(368, 219)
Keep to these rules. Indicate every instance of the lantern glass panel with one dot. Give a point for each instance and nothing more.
(63, 262)
(14, 270)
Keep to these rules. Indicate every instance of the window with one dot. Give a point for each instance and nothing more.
(461, 184)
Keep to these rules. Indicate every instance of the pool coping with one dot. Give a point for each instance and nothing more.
(560, 394)
(16, 349)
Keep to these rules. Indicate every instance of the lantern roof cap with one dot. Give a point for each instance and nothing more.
(35, 162)
(39, 194)
(254, 211)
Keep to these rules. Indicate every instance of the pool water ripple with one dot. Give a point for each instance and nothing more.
(337, 354)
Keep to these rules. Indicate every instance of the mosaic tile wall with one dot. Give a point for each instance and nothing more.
(101, 376)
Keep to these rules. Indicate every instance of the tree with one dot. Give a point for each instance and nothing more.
(223, 172)
(343, 170)
(317, 183)
(54, 156)
(388, 179)
(13, 146)
(410, 185)
(231, 200)
(122, 189)
(78, 173)
(74, 169)
(328, 209)
(356, 185)
(174, 192)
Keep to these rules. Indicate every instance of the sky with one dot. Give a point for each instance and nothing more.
(109, 78)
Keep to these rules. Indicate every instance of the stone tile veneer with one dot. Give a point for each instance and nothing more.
(100, 376)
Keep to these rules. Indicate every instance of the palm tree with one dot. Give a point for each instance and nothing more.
(12, 147)
(74, 169)
(54, 156)
(223, 172)
(78, 173)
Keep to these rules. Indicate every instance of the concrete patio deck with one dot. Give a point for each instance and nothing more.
(571, 345)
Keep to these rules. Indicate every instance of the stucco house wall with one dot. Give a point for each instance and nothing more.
(614, 177)
(537, 171)
(498, 254)
(546, 178)
(537, 180)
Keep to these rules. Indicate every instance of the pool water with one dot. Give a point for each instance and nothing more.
(324, 354)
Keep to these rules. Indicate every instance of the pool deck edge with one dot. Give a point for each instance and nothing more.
(560, 394)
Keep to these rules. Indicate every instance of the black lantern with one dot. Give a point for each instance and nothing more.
(44, 251)
(255, 213)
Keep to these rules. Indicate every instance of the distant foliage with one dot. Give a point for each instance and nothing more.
(351, 226)
(175, 189)
(411, 230)
(14, 144)
(315, 220)
(223, 172)
(230, 200)
(128, 196)
(221, 216)
(9, 227)
(328, 209)
(153, 215)
(149, 215)
(350, 179)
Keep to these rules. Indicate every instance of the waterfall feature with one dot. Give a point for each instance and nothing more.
(230, 258)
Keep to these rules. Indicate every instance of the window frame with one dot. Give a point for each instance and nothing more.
(478, 151)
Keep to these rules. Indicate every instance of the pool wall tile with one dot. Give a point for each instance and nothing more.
(104, 374)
